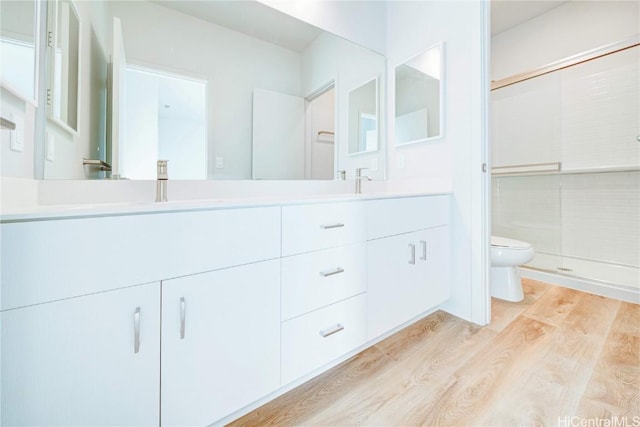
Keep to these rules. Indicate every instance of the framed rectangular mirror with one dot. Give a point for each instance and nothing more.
(363, 118)
(64, 76)
(19, 35)
(418, 97)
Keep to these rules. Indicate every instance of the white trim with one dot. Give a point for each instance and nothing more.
(481, 302)
(609, 290)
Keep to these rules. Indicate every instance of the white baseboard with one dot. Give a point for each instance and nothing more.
(610, 290)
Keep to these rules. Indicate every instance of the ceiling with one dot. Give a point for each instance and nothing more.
(506, 14)
(252, 18)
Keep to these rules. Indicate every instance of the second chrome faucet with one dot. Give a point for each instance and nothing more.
(359, 178)
(161, 185)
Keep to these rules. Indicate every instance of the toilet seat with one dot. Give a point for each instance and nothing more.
(503, 242)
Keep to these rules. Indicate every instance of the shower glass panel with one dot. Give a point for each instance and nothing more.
(600, 226)
(528, 208)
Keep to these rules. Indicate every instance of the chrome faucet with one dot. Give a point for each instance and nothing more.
(359, 178)
(161, 185)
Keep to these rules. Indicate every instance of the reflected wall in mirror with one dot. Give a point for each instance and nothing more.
(237, 49)
(418, 98)
(65, 57)
(19, 33)
(363, 118)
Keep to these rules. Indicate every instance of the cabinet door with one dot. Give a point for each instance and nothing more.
(408, 274)
(220, 342)
(433, 262)
(78, 362)
(394, 292)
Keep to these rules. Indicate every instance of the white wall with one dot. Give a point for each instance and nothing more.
(574, 27)
(453, 161)
(18, 164)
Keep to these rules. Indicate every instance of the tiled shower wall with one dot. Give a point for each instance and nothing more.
(585, 224)
(585, 219)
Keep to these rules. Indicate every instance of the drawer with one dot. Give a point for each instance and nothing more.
(304, 348)
(308, 228)
(87, 255)
(389, 217)
(317, 279)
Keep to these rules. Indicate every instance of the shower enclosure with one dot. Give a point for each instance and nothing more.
(566, 166)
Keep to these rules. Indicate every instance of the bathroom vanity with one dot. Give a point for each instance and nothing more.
(192, 313)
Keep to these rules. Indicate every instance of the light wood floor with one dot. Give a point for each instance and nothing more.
(559, 353)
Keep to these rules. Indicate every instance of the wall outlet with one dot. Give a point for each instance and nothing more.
(219, 162)
(51, 147)
(400, 161)
(374, 165)
(17, 135)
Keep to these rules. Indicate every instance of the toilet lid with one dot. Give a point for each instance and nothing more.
(509, 243)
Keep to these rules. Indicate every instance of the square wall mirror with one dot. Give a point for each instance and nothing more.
(363, 118)
(418, 98)
(19, 32)
(65, 55)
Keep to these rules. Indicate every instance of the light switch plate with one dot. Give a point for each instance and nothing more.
(400, 161)
(219, 162)
(51, 147)
(17, 135)
(374, 165)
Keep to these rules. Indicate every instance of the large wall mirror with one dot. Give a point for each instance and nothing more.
(19, 34)
(221, 89)
(418, 99)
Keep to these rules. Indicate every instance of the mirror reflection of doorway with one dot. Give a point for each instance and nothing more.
(320, 146)
(165, 120)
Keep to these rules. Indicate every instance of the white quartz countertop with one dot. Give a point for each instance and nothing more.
(57, 212)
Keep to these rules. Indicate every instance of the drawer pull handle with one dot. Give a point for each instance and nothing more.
(332, 272)
(424, 250)
(182, 317)
(326, 227)
(332, 330)
(412, 253)
(136, 330)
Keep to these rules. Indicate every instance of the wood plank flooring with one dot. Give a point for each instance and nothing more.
(557, 354)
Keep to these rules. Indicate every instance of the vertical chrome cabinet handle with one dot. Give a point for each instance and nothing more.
(332, 330)
(182, 317)
(136, 330)
(424, 250)
(412, 256)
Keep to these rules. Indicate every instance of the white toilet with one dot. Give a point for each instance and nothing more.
(506, 255)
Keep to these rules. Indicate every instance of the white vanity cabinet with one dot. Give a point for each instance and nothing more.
(220, 342)
(323, 285)
(90, 360)
(408, 260)
(185, 318)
